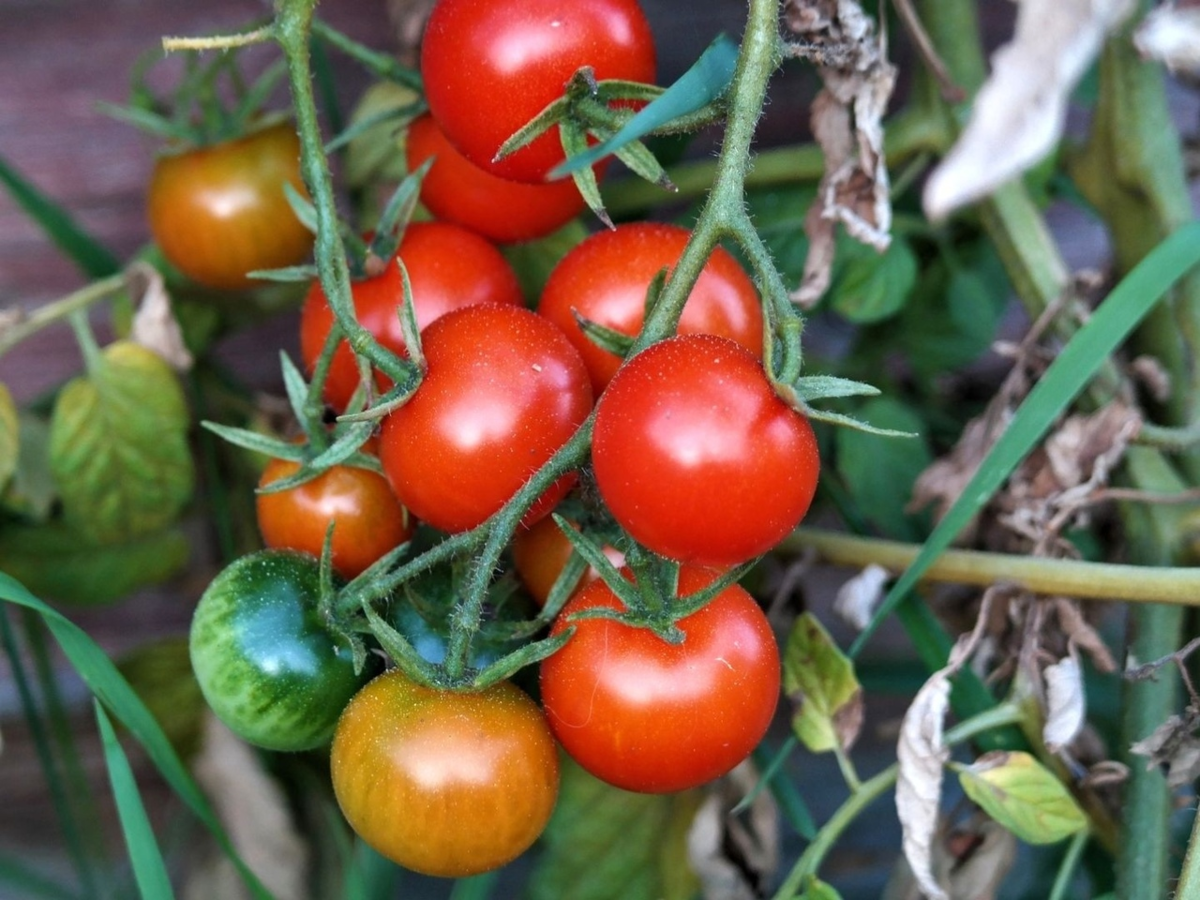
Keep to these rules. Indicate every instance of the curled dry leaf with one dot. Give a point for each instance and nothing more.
(1066, 706)
(847, 122)
(921, 753)
(972, 861)
(735, 857)
(1019, 113)
(1174, 747)
(1082, 635)
(154, 324)
(1171, 34)
(859, 597)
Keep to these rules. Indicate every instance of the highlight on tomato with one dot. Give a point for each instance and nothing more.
(605, 279)
(650, 716)
(445, 783)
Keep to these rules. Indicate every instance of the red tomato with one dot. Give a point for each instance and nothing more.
(605, 279)
(448, 267)
(650, 716)
(504, 389)
(444, 783)
(219, 212)
(489, 66)
(541, 551)
(369, 519)
(457, 190)
(697, 457)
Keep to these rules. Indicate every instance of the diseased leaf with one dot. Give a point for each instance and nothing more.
(1024, 796)
(118, 446)
(820, 680)
(734, 846)
(921, 754)
(10, 436)
(873, 286)
(154, 325)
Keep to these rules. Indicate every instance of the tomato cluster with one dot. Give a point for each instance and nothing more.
(693, 457)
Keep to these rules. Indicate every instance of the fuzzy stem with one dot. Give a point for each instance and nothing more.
(26, 326)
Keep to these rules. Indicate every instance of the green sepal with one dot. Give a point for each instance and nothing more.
(258, 442)
(286, 275)
(608, 339)
(827, 387)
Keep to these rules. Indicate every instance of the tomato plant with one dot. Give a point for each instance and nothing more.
(456, 190)
(605, 278)
(442, 782)
(541, 551)
(650, 716)
(697, 457)
(491, 66)
(265, 660)
(218, 212)
(448, 268)
(504, 389)
(369, 520)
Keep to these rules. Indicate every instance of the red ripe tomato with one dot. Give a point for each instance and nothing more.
(448, 267)
(605, 279)
(369, 519)
(444, 783)
(219, 212)
(489, 66)
(649, 716)
(697, 457)
(457, 190)
(504, 390)
(540, 553)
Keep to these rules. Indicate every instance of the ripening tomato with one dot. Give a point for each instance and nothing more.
(697, 457)
(456, 190)
(444, 783)
(448, 268)
(605, 279)
(503, 391)
(369, 520)
(646, 715)
(266, 662)
(540, 553)
(219, 212)
(489, 66)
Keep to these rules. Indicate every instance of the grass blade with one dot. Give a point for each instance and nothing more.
(148, 867)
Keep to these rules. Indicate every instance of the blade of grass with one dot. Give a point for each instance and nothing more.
(148, 867)
(791, 803)
(110, 687)
(92, 257)
(371, 876)
(1070, 372)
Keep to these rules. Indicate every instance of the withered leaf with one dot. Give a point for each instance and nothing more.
(921, 753)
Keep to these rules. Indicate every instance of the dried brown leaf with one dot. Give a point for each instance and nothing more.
(1170, 34)
(154, 323)
(1173, 746)
(1082, 635)
(971, 861)
(735, 857)
(921, 753)
(859, 597)
(1066, 705)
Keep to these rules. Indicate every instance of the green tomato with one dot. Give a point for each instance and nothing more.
(267, 665)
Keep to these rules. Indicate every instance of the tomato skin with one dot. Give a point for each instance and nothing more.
(540, 553)
(369, 519)
(265, 662)
(654, 717)
(444, 783)
(448, 268)
(219, 212)
(503, 391)
(606, 276)
(456, 190)
(697, 457)
(489, 66)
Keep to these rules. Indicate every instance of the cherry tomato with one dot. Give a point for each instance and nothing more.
(540, 553)
(605, 279)
(265, 661)
(369, 519)
(697, 457)
(448, 268)
(457, 190)
(219, 212)
(504, 389)
(444, 783)
(649, 716)
(489, 66)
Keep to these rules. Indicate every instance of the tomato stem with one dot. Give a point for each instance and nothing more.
(13, 333)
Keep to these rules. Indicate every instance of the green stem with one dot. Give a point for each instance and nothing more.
(58, 310)
(1189, 877)
(1070, 862)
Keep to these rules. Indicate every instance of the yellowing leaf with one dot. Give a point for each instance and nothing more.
(1024, 796)
(820, 680)
(10, 436)
(118, 446)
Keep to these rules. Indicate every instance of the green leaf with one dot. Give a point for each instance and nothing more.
(118, 446)
(533, 261)
(31, 492)
(604, 843)
(375, 152)
(878, 471)
(705, 81)
(149, 870)
(1128, 303)
(828, 387)
(1024, 796)
(303, 274)
(873, 286)
(816, 889)
(10, 436)
(59, 562)
(820, 680)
